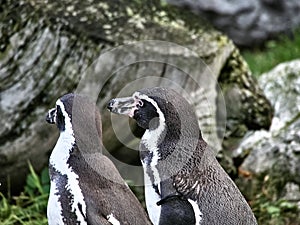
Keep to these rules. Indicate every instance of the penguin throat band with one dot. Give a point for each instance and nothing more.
(150, 142)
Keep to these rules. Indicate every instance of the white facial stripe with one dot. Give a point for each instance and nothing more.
(68, 124)
(52, 117)
(59, 159)
(150, 138)
(113, 220)
(197, 212)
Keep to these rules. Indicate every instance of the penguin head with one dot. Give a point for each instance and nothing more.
(76, 115)
(139, 107)
(158, 107)
(61, 113)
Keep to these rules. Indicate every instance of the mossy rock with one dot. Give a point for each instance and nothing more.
(47, 46)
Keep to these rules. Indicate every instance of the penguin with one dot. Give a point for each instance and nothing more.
(85, 186)
(184, 183)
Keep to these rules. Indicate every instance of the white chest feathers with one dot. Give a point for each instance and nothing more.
(151, 198)
(197, 212)
(54, 209)
(58, 160)
(150, 141)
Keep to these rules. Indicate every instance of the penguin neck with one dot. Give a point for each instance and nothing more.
(62, 150)
(166, 142)
(152, 138)
(65, 142)
(150, 154)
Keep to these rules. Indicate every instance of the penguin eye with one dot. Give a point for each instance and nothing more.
(140, 104)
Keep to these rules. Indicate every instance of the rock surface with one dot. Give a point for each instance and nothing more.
(248, 23)
(278, 150)
(49, 48)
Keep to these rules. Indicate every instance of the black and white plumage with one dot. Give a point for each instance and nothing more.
(86, 188)
(184, 183)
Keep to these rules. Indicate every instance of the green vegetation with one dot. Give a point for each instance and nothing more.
(268, 205)
(274, 52)
(29, 208)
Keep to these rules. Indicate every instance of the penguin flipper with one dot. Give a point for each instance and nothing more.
(201, 177)
(210, 187)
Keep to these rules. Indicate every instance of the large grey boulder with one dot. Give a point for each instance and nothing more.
(250, 22)
(277, 151)
(49, 48)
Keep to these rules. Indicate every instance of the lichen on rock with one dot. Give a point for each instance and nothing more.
(276, 152)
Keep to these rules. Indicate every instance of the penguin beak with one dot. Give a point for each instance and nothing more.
(124, 106)
(51, 116)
